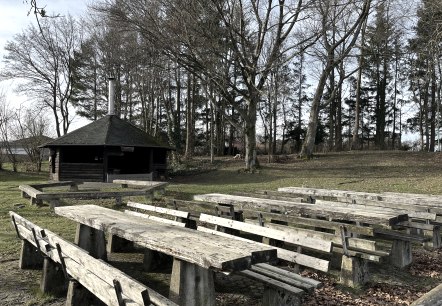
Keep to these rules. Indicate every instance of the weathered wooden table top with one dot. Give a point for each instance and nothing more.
(335, 210)
(203, 249)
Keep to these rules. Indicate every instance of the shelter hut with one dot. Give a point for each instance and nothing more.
(107, 149)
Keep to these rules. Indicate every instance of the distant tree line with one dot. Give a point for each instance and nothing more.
(212, 77)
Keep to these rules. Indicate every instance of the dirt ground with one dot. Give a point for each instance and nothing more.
(389, 286)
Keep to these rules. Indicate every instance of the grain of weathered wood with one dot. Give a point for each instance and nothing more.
(399, 200)
(310, 222)
(157, 185)
(54, 184)
(183, 243)
(161, 210)
(271, 281)
(287, 255)
(96, 275)
(287, 279)
(336, 239)
(302, 239)
(154, 218)
(431, 298)
(340, 213)
(312, 282)
(31, 191)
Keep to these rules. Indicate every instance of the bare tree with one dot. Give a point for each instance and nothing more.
(6, 118)
(204, 35)
(31, 128)
(354, 14)
(44, 64)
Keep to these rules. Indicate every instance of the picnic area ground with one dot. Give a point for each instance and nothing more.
(374, 171)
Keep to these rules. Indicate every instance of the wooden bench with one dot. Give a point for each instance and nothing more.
(195, 254)
(282, 287)
(419, 208)
(356, 251)
(37, 195)
(82, 271)
(384, 219)
(431, 298)
(401, 235)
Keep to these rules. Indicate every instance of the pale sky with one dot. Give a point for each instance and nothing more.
(15, 18)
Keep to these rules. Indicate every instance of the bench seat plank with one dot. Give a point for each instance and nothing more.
(160, 210)
(272, 282)
(304, 240)
(287, 255)
(154, 218)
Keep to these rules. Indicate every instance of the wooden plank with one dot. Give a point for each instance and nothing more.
(288, 207)
(431, 298)
(357, 247)
(284, 278)
(161, 210)
(294, 238)
(153, 184)
(183, 243)
(31, 191)
(287, 255)
(310, 222)
(96, 275)
(395, 235)
(417, 225)
(363, 201)
(334, 238)
(54, 184)
(91, 194)
(270, 281)
(155, 218)
(108, 273)
(104, 291)
(314, 283)
(402, 200)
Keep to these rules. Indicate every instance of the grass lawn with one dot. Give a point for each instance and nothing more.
(360, 171)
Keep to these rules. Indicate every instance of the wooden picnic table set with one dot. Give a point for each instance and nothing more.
(289, 221)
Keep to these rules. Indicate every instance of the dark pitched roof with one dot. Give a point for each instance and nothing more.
(108, 131)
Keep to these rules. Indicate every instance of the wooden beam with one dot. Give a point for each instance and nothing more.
(287, 255)
(161, 210)
(156, 185)
(155, 218)
(301, 239)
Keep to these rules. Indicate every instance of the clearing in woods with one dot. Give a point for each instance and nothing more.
(360, 171)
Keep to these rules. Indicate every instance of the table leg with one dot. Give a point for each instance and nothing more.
(91, 240)
(191, 285)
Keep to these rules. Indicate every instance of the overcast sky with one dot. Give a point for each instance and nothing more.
(15, 18)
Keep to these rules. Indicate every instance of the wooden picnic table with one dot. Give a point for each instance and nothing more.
(335, 211)
(196, 254)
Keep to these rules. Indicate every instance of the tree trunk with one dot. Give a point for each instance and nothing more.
(355, 143)
(250, 132)
(309, 142)
(433, 111)
(190, 125)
